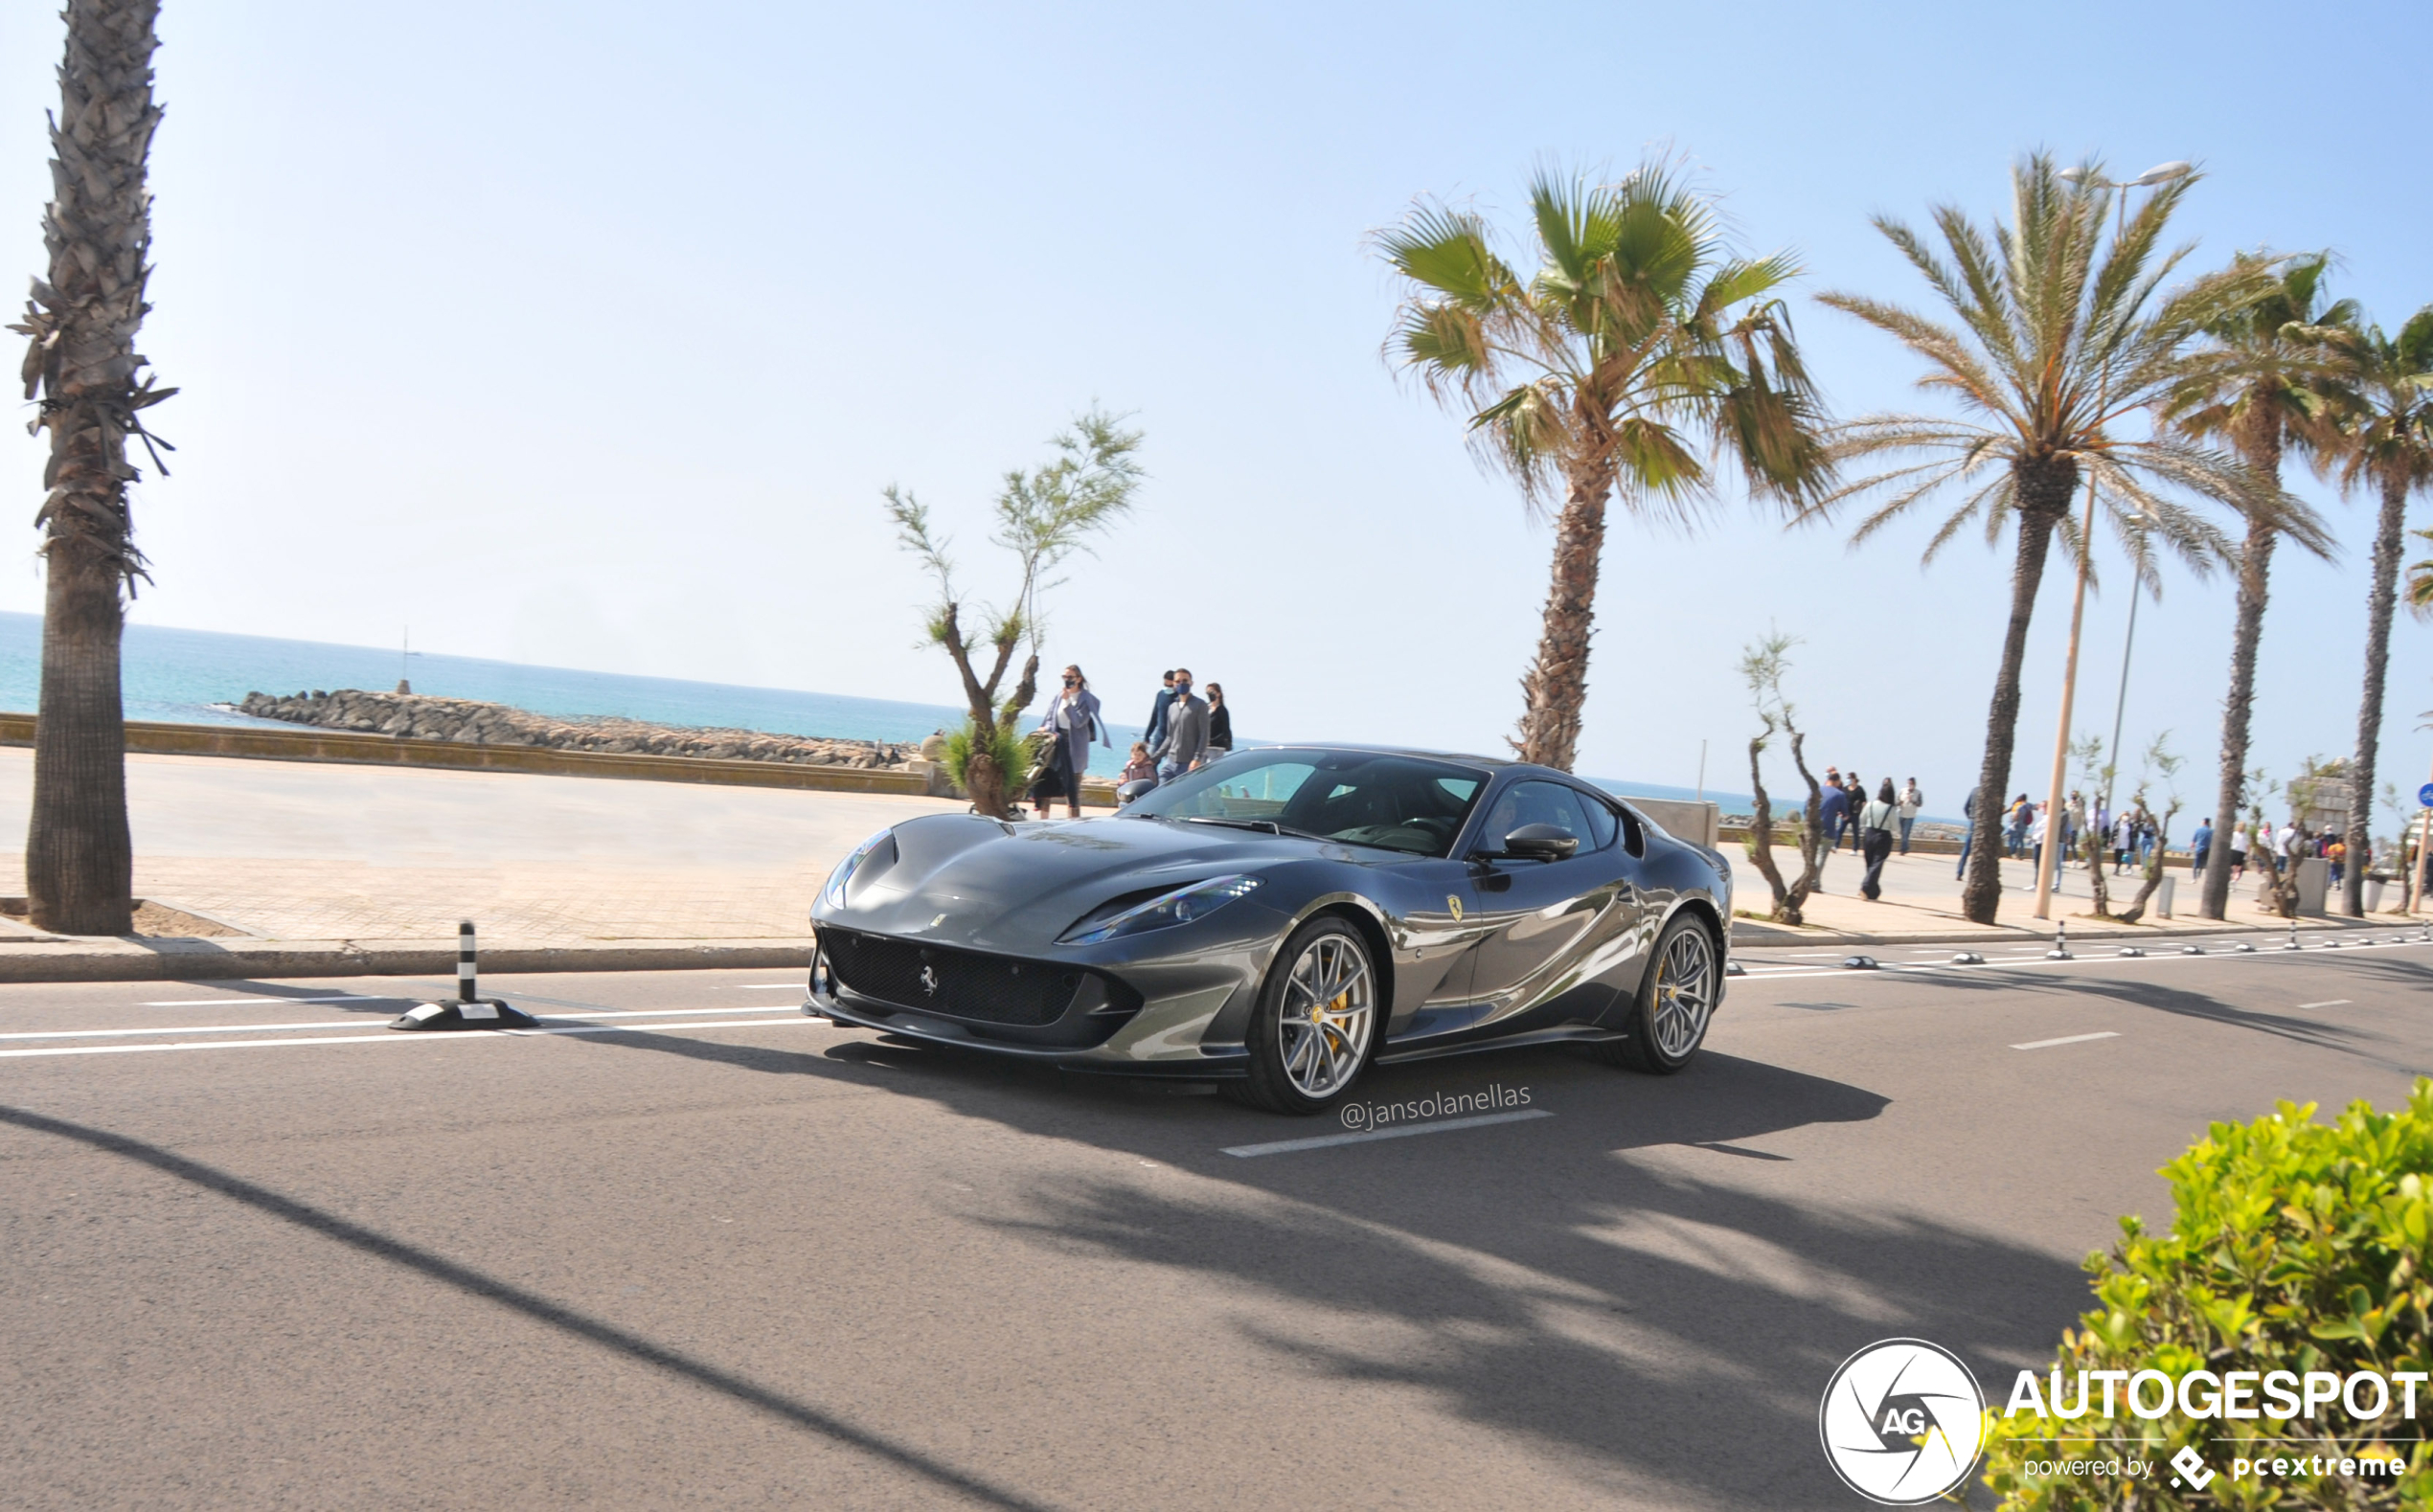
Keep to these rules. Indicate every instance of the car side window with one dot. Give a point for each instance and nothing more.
(1541, 803)
(1602, 825)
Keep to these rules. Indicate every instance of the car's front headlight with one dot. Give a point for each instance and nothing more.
(1194, 901)
(833, 896)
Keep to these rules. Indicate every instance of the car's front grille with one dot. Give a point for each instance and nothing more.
(957, 983)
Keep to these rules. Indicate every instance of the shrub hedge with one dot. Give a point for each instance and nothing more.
(2297, 1246)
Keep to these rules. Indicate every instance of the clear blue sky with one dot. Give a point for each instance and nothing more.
(587, 334)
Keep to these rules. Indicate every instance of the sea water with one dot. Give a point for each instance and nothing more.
(192, 676)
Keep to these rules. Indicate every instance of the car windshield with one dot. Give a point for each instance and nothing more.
(1360, 797)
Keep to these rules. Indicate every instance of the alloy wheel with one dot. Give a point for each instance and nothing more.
(1329, 1010)
(1685, 993)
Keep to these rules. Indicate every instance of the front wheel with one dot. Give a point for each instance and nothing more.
(1316, 1022)
(1675, 1003)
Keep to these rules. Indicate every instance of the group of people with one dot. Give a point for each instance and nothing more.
(2289, 840)
(1185, 731)
(1876, 825)
(2130, 837)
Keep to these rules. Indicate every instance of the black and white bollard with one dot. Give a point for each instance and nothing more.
(470, 1010)
(2294, 936)
(2061, 949)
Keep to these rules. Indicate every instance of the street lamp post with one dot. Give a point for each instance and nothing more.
(2119, 705)
(2049, 855)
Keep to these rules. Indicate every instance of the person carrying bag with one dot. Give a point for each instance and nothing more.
(1876, 840)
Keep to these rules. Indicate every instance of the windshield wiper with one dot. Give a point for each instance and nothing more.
(1267, 824)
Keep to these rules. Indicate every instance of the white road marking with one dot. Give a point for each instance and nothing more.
(332, 1024)
(343, 997)
(2068, 1039)
(2327, 1003)
(771, 987)
(1437, 1126)
(403, 1039)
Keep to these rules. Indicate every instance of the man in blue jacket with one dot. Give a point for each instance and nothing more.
(1157, 730)
(1832, 811)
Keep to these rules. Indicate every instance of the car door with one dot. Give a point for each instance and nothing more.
(1557, 929)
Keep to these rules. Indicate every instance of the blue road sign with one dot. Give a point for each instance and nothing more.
(2424, 795)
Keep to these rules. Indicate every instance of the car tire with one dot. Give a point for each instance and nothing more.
(1677, 1001)
(1317, 1024)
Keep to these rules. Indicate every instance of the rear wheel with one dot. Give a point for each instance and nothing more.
(1676, 1000)
(1316, 1023)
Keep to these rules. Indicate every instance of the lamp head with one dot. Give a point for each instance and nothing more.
(2163, 173)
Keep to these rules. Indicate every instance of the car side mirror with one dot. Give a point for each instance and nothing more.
(1540, 843)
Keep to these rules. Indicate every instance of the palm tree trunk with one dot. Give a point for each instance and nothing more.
(2379, 604)
(83, 364)
(2254, 572)
(1556, 684)
(2044, 498)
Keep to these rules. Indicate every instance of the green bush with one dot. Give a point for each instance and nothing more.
(2298, 1245)
(1013, 753)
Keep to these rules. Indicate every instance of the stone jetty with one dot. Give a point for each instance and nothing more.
(417, 717)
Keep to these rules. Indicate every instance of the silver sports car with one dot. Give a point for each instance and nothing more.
(1278, 919)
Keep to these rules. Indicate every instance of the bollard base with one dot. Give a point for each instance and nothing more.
(487, 1014)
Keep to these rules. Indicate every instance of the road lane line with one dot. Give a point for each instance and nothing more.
(2327, 1003)
(2068, 1039)
(343, 997)
(344, 1024)
(1404, 1131)
(401, 1039)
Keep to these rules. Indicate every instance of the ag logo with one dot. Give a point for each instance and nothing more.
(1902, 1422)
(930, 980)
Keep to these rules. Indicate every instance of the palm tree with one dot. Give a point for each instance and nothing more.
(2388, 442)
(82, 366)
(1639, 353)
(2058, 339)
(2264, 383)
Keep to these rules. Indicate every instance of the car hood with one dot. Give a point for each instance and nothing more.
(965, 880)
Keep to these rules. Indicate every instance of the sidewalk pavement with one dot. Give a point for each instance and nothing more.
(338, 870)
(1921, 905)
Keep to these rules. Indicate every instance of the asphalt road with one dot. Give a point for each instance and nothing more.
(261, 1252)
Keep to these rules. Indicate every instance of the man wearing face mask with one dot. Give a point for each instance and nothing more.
(1186, 738)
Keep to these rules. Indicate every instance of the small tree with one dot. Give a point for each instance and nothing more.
(1042, 517)
(1763, 663)
(2160, 762)
(2095, 775)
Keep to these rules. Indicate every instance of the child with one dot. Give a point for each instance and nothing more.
(1139, 767)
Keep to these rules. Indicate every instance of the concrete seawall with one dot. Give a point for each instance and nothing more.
(341, 746)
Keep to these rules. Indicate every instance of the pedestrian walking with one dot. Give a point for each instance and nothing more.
(2021, 813)
(1875, 823)
(1910, 803)
(2038, 820)
(2238, 851)
(1832, 810)
(1221, 723)
(1857, 790)
(1072, 722)
(2201, 843)
(1968, 832)
(1186, 741)
(1155, 730)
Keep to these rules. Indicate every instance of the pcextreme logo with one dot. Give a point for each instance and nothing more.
(1902, 1422)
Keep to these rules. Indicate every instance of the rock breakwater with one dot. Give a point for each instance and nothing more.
(414, 716)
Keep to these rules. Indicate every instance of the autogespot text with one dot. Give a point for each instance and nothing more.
(1495, 1098)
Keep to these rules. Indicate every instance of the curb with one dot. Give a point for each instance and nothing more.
(121, 959)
